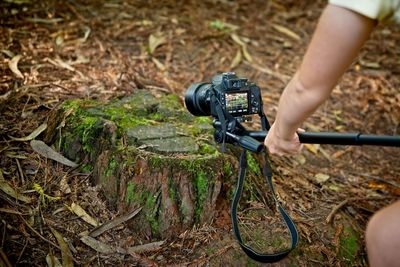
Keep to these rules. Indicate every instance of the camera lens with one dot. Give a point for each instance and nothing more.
(197, 99)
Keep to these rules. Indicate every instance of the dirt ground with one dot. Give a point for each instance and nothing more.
(52, 51)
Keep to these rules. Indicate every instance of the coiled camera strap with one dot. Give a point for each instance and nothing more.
(266, 258)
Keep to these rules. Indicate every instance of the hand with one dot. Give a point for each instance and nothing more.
(277, 145)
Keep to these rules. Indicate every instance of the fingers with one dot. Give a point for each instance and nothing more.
(279, 147)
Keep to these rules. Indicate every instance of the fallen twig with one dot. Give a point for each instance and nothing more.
(4, 260)
(335, 209)
(344, 202)
(38, 234)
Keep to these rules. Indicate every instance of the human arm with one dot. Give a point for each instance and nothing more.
(339, 35)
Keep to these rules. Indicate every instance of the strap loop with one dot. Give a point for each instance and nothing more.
(265, 258)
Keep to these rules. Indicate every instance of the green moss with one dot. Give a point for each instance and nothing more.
(85, 129)
(86, 168)
(112, 165)
(251, 263)
(210, 251)
(227, 169)
(172, 190)
(203, 120)
(170, 101)
(156, 161)
(201, 186)
(253, 165)
(151, 212)
(83, 124)
(131, 122)
(206, 149)
(199, 167)
(349, 246)
(130, 192)
(125, 118)
(157, 117)
(146, 200)
(170, 109)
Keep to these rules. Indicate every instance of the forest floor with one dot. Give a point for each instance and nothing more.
(52, 51)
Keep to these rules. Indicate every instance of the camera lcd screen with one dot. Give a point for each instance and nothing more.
(236, 102)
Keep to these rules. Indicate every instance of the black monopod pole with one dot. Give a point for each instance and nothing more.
(352, 139)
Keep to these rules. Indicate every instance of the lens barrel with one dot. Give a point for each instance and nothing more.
(197, 99)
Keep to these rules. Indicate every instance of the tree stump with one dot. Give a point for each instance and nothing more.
(146, 151)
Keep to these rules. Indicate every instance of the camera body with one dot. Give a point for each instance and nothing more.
(236, 96)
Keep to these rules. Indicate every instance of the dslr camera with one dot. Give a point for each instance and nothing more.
(228, 99)
(235, 96)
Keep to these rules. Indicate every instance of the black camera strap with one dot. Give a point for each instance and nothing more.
(266, 258)
(223, 117)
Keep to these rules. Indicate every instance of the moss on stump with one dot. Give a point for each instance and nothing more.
(145, 151)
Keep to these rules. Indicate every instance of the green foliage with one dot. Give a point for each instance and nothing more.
(222, 26)
(42, 195)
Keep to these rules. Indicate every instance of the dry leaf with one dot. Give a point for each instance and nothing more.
(113, 223)
(97, 245)
(66, 254)
(46, 151)
(146, 247)
(87, 33)
(282, 77)
(155, 41)
(13, 65)
(334, 188)
(8, 53)
(53, 261)
(237, 39)
(33, 135)
(6, 188)
(159, 65)
(321, 177)
(59, 63)
(324, 153)
(287, 32)
(313, 127)
(79, 211)
(300, 159)
(246, 54)
(312, 148)
(236, 60)
(63, 64)
(59, 40)
(341, 152)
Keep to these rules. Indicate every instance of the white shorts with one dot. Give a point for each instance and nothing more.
(381, 10)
